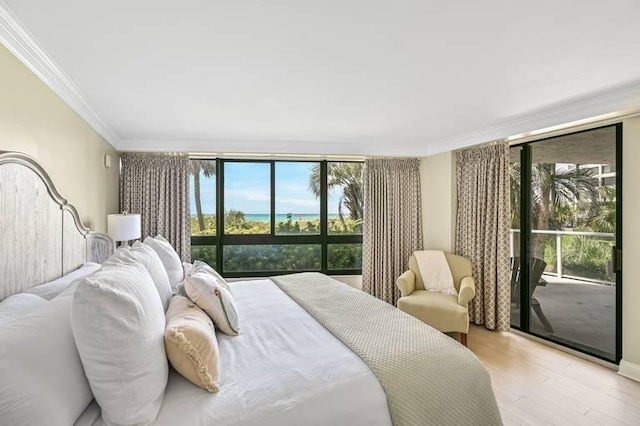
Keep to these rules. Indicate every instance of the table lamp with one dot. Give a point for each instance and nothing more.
(123, 227)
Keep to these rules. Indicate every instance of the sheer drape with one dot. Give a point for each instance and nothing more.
(392, 226)
(157, 187)
(482, 231)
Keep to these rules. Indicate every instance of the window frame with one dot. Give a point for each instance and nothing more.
(324, 239)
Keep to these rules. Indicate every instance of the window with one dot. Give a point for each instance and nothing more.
(297, 198)
(202, 197)
(247, 198)
(344, 184)
(276, 216)
(282, 257)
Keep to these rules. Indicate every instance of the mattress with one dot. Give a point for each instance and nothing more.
(283, 369)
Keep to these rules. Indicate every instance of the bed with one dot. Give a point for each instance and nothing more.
(311, 351)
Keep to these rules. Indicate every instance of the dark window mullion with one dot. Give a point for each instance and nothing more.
(344, 272)
(344, 239)
(619, 242)
(525, 235)
(220, 214)
(204, 240)
(324, 221)
(269, 240)
(273, 198)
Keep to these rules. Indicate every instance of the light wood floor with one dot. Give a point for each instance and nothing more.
(536, 384)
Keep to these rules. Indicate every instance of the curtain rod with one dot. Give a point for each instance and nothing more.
(262, 156)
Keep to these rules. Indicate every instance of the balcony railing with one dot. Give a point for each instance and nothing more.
(559, 273)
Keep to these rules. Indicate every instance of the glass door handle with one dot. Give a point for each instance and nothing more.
(616, 256)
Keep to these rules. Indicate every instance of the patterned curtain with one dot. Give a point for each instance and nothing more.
(392, 225)
(482, 231)
(157, 187)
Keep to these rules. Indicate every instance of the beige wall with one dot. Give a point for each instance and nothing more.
(34, 120)
(631, 241)
(438, 186)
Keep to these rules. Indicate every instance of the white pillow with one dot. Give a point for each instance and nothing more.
(53, 288)
(118, 323)
(154, 265)
(151, 261)
(169, 258)
(206, 292)
(187, 268)
(199, 266)
(19, 305)
(42, 379)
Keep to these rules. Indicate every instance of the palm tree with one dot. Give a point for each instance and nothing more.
(603, 217)
(208, 168)
(552, 188)
(347, 176)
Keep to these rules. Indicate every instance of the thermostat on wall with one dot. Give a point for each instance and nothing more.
(107, 160)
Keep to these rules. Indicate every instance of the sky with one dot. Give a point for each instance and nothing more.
(247, 189)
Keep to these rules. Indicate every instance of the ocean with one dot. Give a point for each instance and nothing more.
(266, 217)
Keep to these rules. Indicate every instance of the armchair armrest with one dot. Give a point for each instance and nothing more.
(406, 283)
(467, 291)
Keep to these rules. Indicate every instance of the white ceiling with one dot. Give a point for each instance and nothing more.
(365, 77)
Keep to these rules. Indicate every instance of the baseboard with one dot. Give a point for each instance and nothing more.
(629, 370)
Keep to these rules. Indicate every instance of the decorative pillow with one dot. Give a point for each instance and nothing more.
(191, 344)
(187, 268)
(199, 266)
(118, 324)
(206, 292)
(53, 288)
(43, 382)
(169, 258)
(19, 305)
(151, 261)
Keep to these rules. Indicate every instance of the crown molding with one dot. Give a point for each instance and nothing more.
(231, 148)
(17, 39)
(603, 103)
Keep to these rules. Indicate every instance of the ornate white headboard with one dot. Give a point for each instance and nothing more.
(41, 235)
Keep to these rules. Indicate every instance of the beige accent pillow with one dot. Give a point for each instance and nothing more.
(190, 343)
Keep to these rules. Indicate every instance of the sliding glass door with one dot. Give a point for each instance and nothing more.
(566, 240)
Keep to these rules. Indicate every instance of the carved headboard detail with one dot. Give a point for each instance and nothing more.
(41, 235)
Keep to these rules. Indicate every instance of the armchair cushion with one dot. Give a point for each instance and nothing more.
(439, 310)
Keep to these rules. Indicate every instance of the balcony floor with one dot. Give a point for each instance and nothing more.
(581, 314)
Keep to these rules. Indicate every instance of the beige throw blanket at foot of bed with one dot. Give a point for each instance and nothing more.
(429, 379)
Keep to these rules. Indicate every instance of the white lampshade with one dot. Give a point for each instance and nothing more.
(123, 227)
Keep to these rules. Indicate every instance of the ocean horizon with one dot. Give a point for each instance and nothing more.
(281, 217)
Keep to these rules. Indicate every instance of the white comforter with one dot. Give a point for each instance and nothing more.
(283, 369)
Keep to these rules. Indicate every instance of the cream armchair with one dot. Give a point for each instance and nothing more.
(444, 312)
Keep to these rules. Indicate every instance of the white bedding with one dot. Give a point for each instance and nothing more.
(283, 369)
